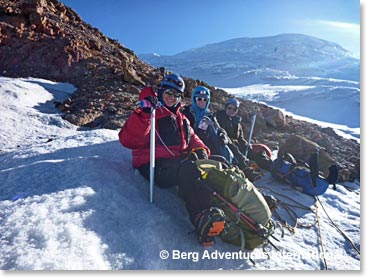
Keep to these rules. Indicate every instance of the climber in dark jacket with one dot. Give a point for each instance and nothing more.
(231, 123)
(229, 120)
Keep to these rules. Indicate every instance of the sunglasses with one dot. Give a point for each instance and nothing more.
(172, 92)
(201, 99)
(232, 108)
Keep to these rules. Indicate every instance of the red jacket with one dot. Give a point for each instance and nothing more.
(174, 130)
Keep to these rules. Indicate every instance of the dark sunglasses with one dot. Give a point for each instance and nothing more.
(172, 92)
(176, 82)
(201, 99)
(232, 108)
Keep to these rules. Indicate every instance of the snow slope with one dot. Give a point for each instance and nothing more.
(334, 105)
(70, 200)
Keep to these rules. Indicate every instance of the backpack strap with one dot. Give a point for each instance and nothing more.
(243, 242)
(289, 158)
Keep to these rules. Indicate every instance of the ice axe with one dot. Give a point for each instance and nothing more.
(152, 154)
(152, 151)
(253, 118)
(152, 148)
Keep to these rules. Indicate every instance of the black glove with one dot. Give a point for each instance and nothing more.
(193, 157)
(148, 103)
(153, 100)
(198, 154)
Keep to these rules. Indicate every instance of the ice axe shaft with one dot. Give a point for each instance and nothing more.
(253, 118)
(152, 154)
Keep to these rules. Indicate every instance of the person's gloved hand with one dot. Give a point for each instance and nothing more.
(192, 156)
(198, 154)
(235, 141)
(222, 130)
(148, 103)
(223, 137)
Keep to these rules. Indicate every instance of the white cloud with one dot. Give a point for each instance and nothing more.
(344, 33)
(342, 26)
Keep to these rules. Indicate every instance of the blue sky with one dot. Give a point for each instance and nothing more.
(168, 27)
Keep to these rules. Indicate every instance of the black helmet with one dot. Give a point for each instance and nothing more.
(174, 81)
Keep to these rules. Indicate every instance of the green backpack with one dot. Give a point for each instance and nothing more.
(248, 217)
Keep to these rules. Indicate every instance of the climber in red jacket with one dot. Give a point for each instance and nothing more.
(172, 125)
(176, 149)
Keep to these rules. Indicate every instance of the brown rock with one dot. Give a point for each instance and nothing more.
(275, 118)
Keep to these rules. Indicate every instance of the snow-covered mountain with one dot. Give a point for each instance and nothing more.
(298, 73)
(70, 200)
(244, 61)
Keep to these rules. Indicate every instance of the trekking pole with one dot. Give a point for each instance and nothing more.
(152, 154)
(314, 166)
(253, 118)
(249, 221)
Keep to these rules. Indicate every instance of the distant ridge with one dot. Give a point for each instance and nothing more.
(235, 62)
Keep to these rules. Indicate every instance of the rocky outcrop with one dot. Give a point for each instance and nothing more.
(46, 39)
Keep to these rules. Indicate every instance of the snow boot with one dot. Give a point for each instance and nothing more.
(209, 224)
